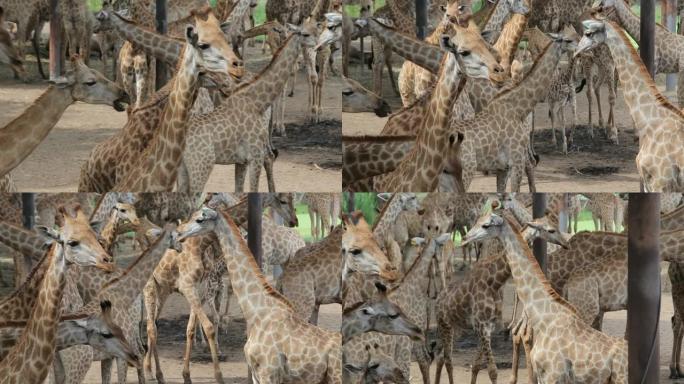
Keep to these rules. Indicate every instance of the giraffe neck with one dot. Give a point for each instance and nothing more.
(160, 46)
(161, 160)
(508, 41)
(421, 168)
(37, 343)
(388, 216)
(318, 12)
(351, 325)
(237, 15)
(239, 212)
(645, 102)
(18, 305)
(23, 134)
(109, 232)
(269, 84)
(627, 18)
(256, 298)
(496, 19)
(125, 288)
(419, 52)
(540, 301)
(416, 276)
(400, 15)
(520, 212)
(672, 246)
(22, 240)
(518, 102)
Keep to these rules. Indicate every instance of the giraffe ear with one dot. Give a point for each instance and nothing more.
(48, 232)
(225, 27)
(190, 35)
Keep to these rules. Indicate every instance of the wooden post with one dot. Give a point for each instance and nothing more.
(643, 287)
(421, 18)
(669, 20)
(351, 204)
(56, 59)
(254, 235)
(539, 245)
(160, 67)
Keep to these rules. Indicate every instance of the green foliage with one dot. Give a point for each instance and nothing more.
(364, 202)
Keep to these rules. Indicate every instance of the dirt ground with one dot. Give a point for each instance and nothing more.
(592, 165)
(306, 165)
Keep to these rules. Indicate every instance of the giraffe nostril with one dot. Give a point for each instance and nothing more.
(498, 69)
(238, 63)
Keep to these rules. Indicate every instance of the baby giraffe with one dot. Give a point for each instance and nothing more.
(566, 349)
(280, 347)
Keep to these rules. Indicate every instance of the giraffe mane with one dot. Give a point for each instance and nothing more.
(30, 275)
(158, 98)
(252, 261)
(144, 28)
(383, 211)
(377, 139)
(660, 99)
(536, 268)
(527, 75)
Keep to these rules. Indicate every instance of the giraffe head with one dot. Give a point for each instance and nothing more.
(78, 239)
(283, 204)
(379, 314)
(434, 223)
(361, 252)
(408, 201)
(217, 54)
(547, 231)
(8, 51)
(458, 12)
(102, 333)
(332, 30)
(520, 7)
(309, 30)
(488, 226)
(380, 367)
(475, 58)
(125, 211)
(365, 8)
(200, 222)
(356, 98)
(90, 86)
(594, 35)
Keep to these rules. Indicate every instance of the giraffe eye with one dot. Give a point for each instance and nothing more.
(199, 221)
(73, 243)
(203, 46)
(355, 252)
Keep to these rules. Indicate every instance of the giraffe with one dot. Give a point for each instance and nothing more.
(603, 208)
(77, 27)
(23, 134)
(356, 99)
(97, 331)
(7, 184)
(123, 148)
(119, 213)
(497, 139)
(240, 122)
(269, 357)
(553, 319)
(659, 167)
(47, 204)
(410, 294)
(32, 356)
(420, 169)
(604, 74)
(320, 205)
(9, 53)
(184, 272)
(279, 244)
(476, 302)
(367, 156)
(206, 49)
(668, 45)
(20, 12)
(377, 314)
(382, 55)
(675, 273)
(377, 368)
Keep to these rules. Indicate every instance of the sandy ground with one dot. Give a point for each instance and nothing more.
(556, 172)
(307, 167)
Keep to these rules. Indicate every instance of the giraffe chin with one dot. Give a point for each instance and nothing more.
(107, 267)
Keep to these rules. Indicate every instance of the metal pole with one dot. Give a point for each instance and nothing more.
(28, 211)
(160, 67)
(254, 235)
(421, 18)
(55, 41)
(539, 246)
(643, 287)
(669, 20)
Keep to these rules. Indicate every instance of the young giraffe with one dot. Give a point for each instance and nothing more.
(320, 205)
(501, 127)
(555, 322)
(603, 208)
(475, 302)
(357, 99)
(157, 167)
(23, 134)
(241, 121)
(268, 314)
(660, 166)
(420, 169)
(118, 215)
(77, 27)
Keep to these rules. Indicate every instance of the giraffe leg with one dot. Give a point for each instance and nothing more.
(210, 333)
(140, 69)
(680, 87)
(477, 365)
(121, 370)
(240, 174)
(268, 167)
(312, 220)
(378, 65)
(573, 105)
(423, 361)
(189, 337)
(597, 92)
(515, 361)
(590, 99)
(106, 370)
(254, 170)
(562, 123)
(613, 136)
(153, 305)
(678, 346)
(314, 315)
(446, 337)
(501, 180)
(527, 345)
(552, 116)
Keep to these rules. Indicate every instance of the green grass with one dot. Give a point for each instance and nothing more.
(304, 227)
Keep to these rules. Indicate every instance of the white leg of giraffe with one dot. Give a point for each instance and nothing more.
(562, 123)
(254, 170)
(552, 116)
(613, 135)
